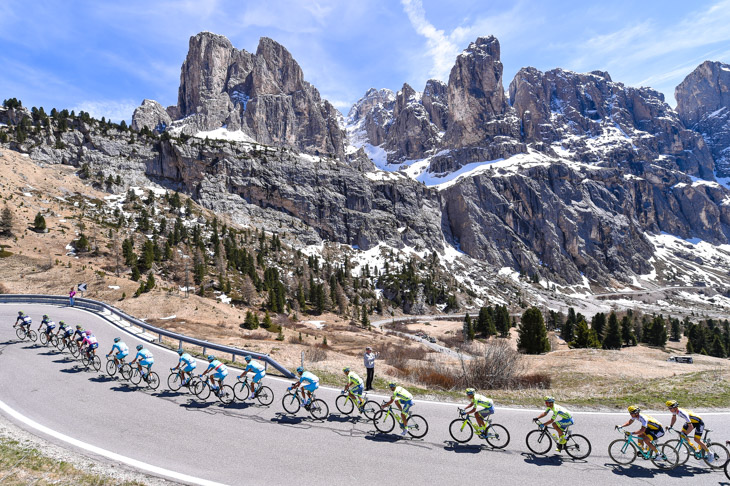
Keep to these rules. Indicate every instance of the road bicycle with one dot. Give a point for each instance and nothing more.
(47, 337)
(385, 421)
(112, 367)
(624, 451)
(462, 430)
(175, 381)
(24, 333)
(61, 343)
(727, 463)
(203, 390)
(718, 453)
(152, 379)
(317, 408)
(540, 441)
(346, 403)
(89, 359)
(263, 393)
(73, 348)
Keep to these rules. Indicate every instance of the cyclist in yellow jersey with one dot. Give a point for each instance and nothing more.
(355, 382)
(403, 400)
(560, 420)
(691, 421)
(478, 400)
(651, 429)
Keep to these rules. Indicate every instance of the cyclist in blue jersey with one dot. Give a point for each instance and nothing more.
(259, 371)
(309, 382)
(187, 363)
(120, 350)
(50, 325)
(404, 402)
(218, 371)
(24, 320)
(64, 332)
(79, 335)
(145, 359)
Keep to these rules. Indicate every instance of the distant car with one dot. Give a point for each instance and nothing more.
(681, 359)
(432, 339)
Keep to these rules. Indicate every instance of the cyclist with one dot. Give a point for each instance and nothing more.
(50, 325)
(64, 332)
(219, 372)
(478, 400)
(259, 371)
(90, 344)
(651, 429)
(692, 421)
(121, 350)
(404, 402)
(309, 382)
(25, 321)
(79, 334)
(145, 359)
(560, 420)
(355, 382)
(187, 363)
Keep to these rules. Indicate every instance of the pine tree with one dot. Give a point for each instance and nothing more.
(135, 273)
(690, 348)
(532, 333)
(40, 222)
(467, 328)
(6, 221)
(676, 330)
(150, 282)
(266, 324)
(567, 330)
(627, 333)
(598, 324)
(485, 324)
(717, 349)
(584, 336)
(365, 318)
(613, 333)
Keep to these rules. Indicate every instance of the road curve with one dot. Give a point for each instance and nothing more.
(246, 443)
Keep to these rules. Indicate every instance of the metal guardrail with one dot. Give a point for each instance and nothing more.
(101, 306)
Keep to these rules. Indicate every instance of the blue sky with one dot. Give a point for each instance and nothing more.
(106, 57)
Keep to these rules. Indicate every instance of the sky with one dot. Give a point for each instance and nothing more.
(106, 57)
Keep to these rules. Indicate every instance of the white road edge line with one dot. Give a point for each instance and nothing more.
(103, 452)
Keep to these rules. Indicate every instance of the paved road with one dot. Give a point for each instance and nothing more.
(253, 444)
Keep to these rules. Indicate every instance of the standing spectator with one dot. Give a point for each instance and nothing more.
(71, 296)
(369, 358)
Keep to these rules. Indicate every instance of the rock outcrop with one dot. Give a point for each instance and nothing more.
(152, 115)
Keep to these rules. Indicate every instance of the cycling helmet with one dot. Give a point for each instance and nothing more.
(392, 384)
(211, 357)
(21, 313)
(88, 333)
(62, 324)
(300, 370)
(116, 339)
(672, 403)
(180, 352)
(247, 358)
(78, 326)
(346, 369)
(634, 409)
(139, 347)
(470, 391)
(45, 316)
(549, 399)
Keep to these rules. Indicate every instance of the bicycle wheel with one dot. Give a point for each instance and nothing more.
(291, 403)
(33, 335)
(53, 340)
(717, 456)
(384, 421)
(369, 409)
(60, 344)
(73, 349)
(153, 380)
(20, 332)
(85, 360)
(174, 382)
(727, 472)
(680, 448)
(226, 395)
(96, 363)
(111, 367)
(622, 452)
(135, 377)
(319, 409)
(202, 390)
(344, 404)
(126, 371)
(44, 338)
(417, 426)
(667, 458)
(461, 430)
(265, 396)
(497, 436)
(538, 441)
(241, 390)
(577, 446)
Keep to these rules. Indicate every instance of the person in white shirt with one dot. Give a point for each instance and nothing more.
(369, 359)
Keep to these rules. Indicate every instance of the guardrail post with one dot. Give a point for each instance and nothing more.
(204, 353)
(233, 357)
(179, 344)
(159, 337)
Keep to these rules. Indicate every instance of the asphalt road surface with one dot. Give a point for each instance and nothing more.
(246, 443)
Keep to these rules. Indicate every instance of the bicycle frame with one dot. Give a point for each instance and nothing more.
(634, 440)
(684, 440)
(475, 425)
(396, 413)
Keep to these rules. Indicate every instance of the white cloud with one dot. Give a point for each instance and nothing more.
(110, 109)
(441, 47)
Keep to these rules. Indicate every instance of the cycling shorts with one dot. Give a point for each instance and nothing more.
(189, 368)
(357, 391)
(94, 346)
(406, 406)
(486, 412)
(699, 428)
(219, 375)
(654, 434)
(563, 423)
(311, 387)
(147, 362)
(258, 376)
(121, 355)
(49, 328)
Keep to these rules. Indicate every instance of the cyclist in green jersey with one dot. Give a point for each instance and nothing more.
(354, 386)
(560, 420)
(404, 402)
(478, 400)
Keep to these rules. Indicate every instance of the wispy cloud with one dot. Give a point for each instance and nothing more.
(110, 109)
(441, 47)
